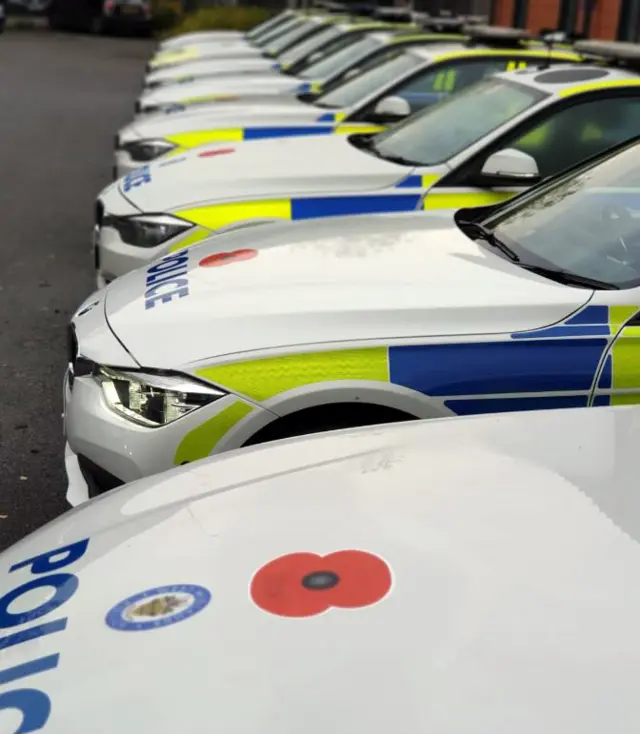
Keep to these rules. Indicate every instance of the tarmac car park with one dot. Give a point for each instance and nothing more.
(480, 146)
(528, 305)
(371, 568)
(387, 65)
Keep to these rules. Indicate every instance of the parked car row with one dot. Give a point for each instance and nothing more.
(326, 416)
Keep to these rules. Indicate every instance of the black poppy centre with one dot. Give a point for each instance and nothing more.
(320, 580)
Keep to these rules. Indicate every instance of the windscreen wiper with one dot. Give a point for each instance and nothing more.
(480, 232)
(567, 278)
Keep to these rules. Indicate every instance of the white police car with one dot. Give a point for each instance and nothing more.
(390, 66)
(480, 146)
(272, 42)
(272, 331)
(371, 570)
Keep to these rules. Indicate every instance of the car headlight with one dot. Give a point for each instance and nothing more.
(148, 230)
(153, 400)
(148, 150)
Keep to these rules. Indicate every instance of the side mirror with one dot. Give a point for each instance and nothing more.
(392, 108)
(351, 74)
(510, 167)
(315, 57)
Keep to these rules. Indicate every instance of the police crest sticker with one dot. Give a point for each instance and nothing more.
(158, 607)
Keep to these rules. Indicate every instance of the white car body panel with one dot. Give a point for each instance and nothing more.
(188, 39)
(238, 84)
(263, 168)
(510, 585)
(325, 286)
(210, 67)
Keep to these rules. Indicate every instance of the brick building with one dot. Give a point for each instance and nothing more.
(609, 19)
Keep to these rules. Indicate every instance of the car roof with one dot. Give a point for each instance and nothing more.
(573, 78)
(462, 50)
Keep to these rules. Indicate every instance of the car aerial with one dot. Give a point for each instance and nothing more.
(479, 146)
(346, 37)
(227, 87)
(273, 42)
(101, 16)
(310, 326)
(352, 82)
(372, 569)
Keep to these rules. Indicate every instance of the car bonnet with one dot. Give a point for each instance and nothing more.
(256, 169)
(336, 280)
(227, 84)
(181, 603)
(209, 66)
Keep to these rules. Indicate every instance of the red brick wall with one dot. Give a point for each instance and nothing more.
(544, 14)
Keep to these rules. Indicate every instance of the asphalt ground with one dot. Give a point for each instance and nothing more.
(62, 98)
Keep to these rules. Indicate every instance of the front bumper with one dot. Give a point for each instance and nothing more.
(104, 451)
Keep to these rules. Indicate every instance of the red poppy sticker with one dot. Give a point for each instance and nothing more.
(306, 584)
(225, 258)
(215, 151)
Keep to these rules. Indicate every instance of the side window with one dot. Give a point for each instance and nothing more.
(578, 132)
(434, 85)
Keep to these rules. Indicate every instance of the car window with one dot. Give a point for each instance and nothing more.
(334, 62)
(443, 130)
(587, 223)
(280, 31)
(440, 82)
(309, 45)
(578, 132)
(275, 48)
(364, 84)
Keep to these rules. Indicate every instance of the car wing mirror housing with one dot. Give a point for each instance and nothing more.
(510, 167)
(390, 109)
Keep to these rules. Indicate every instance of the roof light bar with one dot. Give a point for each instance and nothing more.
(496, 35)
(614, 52)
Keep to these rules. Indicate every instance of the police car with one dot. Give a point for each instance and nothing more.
(480, 146)
(273, 42)
(195, 37)
(337, 37)
(271, 331)
(353, 82)
(232, 86)
(371, 570)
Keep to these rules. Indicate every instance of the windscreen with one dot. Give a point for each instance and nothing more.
(362, 85)
(444, 129)
(309, 45)
(337, 62)
(586, 223)
(289, 39)
(281, 31)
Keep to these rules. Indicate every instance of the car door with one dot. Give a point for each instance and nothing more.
(557, 138)
(618, 379)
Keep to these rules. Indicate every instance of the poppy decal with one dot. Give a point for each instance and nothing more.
(216, 151)
(306, 584)
(224, 258)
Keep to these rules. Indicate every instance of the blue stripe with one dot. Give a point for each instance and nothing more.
(336, 206)
(410, 182)
(509, 405)
(304, 88)
(485, 368)
(605, 380)
(590, 321)
(591, 315)
(327, 117)
(276, 67)
(262, 133)
(601, 400)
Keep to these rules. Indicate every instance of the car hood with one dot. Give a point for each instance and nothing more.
(160, 126)
(283, 166)
(335, 280)
(219, 49)
(250, 83)
(210, 67)
(506, 581)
